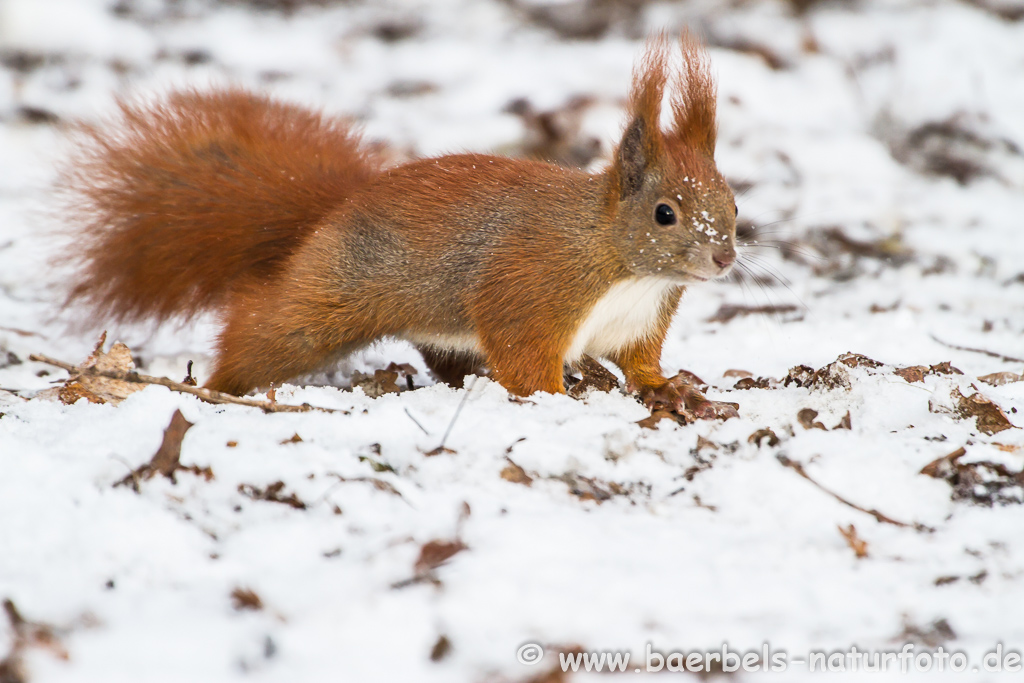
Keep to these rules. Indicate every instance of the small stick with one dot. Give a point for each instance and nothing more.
(416, 422)
(455, 417)
(799, 469)
(208, 395)
(993, 354)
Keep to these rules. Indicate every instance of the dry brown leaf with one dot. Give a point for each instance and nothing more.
(944, 467)
(246, 599)
(999, 378)
(759, 383)
(857, 360)
(806, 419)
(516, 474)
(594, 376)
(944, 368)
(441, 649)
(588, 488)
(435, 553)
(914, 373)
(858, 545)
(939, 632)
(438, 451)
(376, 385)
(917, 373)
(991, 418)
(657, 416)
(799, 375)
(833, 376)
(98, 389)
(272, 494)
(691, 379)
(706, 444)
(981, 482)
(167, 459)
(405, 370)
(762, 434)
(27, 634)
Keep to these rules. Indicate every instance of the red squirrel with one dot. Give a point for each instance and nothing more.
(283, 221)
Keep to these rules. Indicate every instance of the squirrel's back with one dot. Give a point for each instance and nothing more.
(179, 202)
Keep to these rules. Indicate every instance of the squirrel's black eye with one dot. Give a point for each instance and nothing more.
(664, 214)
(737, 209)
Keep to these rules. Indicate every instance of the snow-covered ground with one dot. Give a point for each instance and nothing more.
(878, 143)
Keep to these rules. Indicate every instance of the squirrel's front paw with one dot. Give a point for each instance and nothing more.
(679, 396)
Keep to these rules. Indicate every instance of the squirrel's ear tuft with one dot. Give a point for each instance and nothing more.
(693, 106)
(642, 143)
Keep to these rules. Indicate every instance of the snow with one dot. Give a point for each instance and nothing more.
(703, 544)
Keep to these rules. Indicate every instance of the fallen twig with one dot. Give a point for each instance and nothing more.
(441, 449)
(799, 469)
(993, 354)
(208, 395)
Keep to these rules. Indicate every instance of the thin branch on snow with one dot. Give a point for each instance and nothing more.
(208, 395)
(993, 354)
(799, 469)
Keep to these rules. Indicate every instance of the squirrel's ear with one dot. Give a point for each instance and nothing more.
(642, 143)
(693, 106)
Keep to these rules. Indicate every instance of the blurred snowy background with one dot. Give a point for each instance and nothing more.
(877, 151)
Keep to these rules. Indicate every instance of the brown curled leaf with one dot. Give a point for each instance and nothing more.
(991, 418)
(441, 649)
(999, 378)
(376, 385)
(97, 388)
(761, 434)
(806, 419)
(980, 482)
(656, 416)
(246, 599)
(515, 474)
(593, 376)
(167, 459)
(856, 543)
(751, 383)
(857, 360)
(435, 553)
(272, 493)
(914, 373)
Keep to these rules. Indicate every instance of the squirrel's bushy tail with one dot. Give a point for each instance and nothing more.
(181, 201)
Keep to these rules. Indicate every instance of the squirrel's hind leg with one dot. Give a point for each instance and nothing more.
(451, 367)
(268, 339)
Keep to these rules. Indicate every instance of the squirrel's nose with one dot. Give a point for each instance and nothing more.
(724, 258)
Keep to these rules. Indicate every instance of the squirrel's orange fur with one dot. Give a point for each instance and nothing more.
(278, 218)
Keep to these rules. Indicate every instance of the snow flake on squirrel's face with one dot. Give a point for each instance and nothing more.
(690, 233)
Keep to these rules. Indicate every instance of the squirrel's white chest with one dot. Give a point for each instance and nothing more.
(627, 312)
